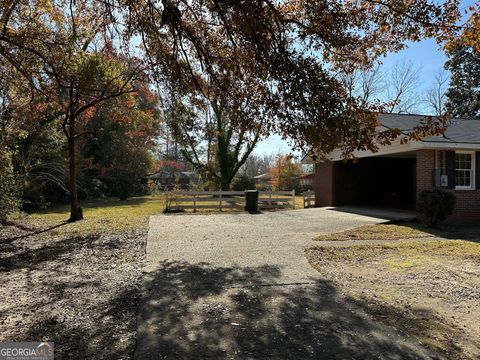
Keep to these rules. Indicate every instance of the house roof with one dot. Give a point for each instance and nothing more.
(460, 131)
(462, 134)
(307, 176)
(266, 176)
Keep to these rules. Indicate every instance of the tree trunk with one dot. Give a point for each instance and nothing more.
(75, 212)
(224, 182)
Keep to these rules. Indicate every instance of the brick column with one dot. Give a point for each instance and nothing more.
(425, 170)
(323, 184)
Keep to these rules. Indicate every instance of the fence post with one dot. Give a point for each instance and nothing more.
(220, 198)
(194, 202)
(166, 201)
(293, 198)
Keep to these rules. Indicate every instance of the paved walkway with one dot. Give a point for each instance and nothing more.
(237, 286)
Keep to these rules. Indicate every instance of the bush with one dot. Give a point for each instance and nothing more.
(435, 206)
(243, 182)
(9, 187)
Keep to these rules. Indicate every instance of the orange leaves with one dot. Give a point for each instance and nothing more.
(471, 33)
(285, 173)
(89, 113)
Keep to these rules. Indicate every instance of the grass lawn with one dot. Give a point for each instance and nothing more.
(399, 231)
(103, 214)
(76, 284)
(429, 288)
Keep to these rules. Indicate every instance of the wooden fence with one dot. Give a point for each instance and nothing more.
(226, 200)
(204, 200)
(308, 199)
(276, 200)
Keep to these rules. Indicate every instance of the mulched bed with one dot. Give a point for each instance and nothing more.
(77, 289)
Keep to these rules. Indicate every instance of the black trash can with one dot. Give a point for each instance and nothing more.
(251, 201)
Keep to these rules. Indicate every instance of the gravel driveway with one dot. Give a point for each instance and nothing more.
(238, 286)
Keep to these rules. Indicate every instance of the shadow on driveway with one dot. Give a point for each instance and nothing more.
(196, 311)
(388, 214)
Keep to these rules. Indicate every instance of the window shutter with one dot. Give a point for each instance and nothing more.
(450, 168)
(477, 170)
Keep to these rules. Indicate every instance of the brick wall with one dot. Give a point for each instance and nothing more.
(323, 184)
(467, 209)
(425, 170)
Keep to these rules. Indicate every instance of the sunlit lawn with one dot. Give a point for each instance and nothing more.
(101, 215)
(107, 215)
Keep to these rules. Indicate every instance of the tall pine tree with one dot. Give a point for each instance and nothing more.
(464, 90)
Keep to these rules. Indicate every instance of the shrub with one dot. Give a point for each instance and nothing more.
(243, 182)
(435, 205)
(9, 187)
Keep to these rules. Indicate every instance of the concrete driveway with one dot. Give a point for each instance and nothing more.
(237, 286)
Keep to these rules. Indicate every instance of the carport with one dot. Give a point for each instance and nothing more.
(377, 181)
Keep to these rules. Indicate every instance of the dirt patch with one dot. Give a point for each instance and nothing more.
(428, 289)
(75, 284)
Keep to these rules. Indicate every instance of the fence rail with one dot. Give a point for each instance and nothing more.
(308, 199)
(276, 200)
(226, 200)
(199, 200)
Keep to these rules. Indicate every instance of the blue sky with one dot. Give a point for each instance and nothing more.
(426, 54)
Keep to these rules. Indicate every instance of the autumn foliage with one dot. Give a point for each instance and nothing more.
(285, 174)
(260, 66)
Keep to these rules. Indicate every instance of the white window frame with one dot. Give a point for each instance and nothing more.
(473, 171)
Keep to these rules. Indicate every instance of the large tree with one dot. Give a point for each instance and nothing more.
(214, 141)
(464, 90)
(297, 50)
(12, 133)
(218, 122)
(63, 50)
(119, 151)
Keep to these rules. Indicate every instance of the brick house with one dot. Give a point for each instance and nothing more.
(396, 174)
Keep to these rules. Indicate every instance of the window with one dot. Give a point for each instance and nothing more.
(464, 170)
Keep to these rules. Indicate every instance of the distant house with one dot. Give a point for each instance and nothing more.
(305, 181)
(167, 179)
(262, 181)
(396, 174)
